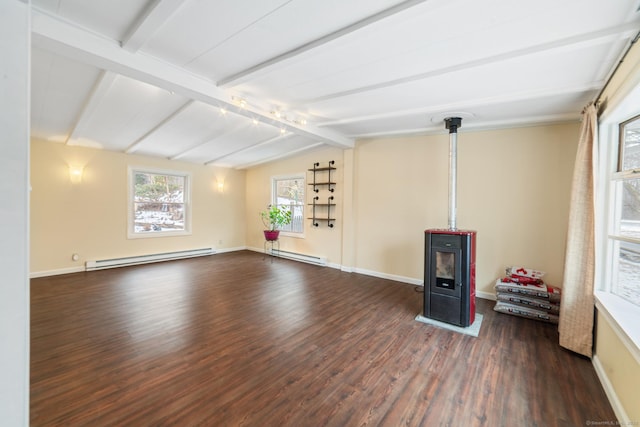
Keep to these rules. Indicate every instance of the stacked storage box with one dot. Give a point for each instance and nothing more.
(522, 292)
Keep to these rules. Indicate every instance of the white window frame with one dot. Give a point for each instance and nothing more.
(623, 316)
(131, 234)
(303, 178)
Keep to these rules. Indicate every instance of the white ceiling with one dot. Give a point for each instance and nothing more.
(202, 80)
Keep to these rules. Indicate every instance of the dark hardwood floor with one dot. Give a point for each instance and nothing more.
(235, 340)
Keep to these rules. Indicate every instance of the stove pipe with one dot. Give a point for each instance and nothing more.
(453, 123)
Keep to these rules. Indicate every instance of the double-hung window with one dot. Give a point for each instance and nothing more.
(158, 203)
(625, 216)
(288, 192)
(618, 219)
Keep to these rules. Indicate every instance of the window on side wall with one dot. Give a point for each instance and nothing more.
(159, 203)
(624, 226)
(288, 192)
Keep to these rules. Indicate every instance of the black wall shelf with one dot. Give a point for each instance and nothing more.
(321, 212)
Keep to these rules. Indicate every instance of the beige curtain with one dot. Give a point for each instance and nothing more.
(577, 307)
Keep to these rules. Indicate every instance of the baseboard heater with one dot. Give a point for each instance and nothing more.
(145, 259)
(300, 257)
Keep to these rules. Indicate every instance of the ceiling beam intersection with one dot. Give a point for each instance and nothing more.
(244, 75)
(471, 103)
(154, 17)
(207, 141)
(436, 129)
(251, 147)
(278, 157)
(567, 43)
(63, 38)
(138, 143)
(101, 87)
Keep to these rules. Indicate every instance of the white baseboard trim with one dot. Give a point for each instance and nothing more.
(223, 250)
(623, 418)
(394, 277)
(79, 269)
(486, 295)
(403, 279)
(56, 272)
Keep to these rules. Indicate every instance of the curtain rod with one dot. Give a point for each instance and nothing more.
(613, 73)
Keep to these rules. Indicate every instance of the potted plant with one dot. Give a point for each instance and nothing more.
(273, 218)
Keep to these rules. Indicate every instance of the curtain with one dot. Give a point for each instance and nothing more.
(577, 306)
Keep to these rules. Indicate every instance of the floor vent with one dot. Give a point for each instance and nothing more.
(145, 259)
(300, 257)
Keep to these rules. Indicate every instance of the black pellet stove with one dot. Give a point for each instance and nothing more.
(450, 258)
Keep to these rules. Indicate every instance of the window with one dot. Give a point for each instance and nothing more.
(625, 220)
(158, 203)
(288, 192)
(618, 220)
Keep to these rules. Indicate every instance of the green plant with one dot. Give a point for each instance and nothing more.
(275, 217)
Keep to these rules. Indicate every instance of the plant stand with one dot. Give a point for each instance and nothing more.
(270, 244)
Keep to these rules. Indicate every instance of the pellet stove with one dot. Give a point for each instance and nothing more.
(450, 258)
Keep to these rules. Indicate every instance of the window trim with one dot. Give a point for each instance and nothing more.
(132, 170)
(624, 172)
(302, 176)
(623, 316)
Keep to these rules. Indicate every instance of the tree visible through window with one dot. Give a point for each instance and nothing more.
(289, 193)
(159, 203)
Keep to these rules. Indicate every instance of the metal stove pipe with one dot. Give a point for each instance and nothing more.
(453, 123)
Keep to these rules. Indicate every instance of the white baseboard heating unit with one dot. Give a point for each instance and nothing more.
(299, 257)
(145, 259)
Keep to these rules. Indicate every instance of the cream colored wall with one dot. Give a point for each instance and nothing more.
(321, 241)
(619, 366)
(513, 189)
(90, 218)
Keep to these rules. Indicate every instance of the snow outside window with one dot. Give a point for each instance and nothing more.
(158, 203)
(288, 192)
(625, 223)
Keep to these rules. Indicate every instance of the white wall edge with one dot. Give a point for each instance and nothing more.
(623, 418)
(56, 272)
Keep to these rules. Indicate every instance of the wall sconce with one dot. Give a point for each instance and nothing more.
(220, 186)
(75, 174)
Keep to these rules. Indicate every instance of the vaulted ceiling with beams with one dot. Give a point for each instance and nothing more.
(243, 82)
